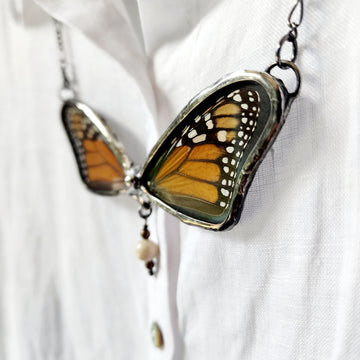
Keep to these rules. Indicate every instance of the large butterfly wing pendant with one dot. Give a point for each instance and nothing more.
(100, 157)
(202, 167)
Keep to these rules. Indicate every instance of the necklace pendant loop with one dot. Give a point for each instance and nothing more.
(285, 65)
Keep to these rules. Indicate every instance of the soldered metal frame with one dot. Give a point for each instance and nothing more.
(280, 101)
(110, 139)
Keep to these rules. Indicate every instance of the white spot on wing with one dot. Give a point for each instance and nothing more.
(221, 135)
(225, 192)
(237, 97)
(199, 138)
(230, 149)
(192, 133)
(233, 93)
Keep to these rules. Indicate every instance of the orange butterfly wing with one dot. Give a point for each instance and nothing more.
(101, 162)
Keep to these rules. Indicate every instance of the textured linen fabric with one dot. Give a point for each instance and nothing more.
(283, 284)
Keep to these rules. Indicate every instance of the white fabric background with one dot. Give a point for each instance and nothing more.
(283, 284)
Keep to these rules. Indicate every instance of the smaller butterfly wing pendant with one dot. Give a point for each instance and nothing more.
(202, 167)
(101, 160)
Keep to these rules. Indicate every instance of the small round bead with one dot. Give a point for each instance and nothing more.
(146, 250)
(145, 233)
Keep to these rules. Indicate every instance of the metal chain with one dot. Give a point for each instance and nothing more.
(68, 88)
(294, 21)
(291, 36)
(295, 24)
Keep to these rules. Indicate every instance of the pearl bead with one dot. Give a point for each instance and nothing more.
(146, 250)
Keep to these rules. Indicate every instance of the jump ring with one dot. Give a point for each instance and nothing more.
(288, 65)
(145, 210)
(67, 93)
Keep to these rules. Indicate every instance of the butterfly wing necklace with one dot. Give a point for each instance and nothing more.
(201, 168)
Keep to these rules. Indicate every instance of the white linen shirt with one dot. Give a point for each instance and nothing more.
(283, 284)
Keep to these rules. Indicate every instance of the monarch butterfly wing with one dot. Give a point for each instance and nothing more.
(202, 166)
(100, 157)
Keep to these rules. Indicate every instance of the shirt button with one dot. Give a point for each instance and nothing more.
(156, 335)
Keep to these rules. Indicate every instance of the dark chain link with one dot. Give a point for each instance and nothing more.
(295, 24)
(294, 21)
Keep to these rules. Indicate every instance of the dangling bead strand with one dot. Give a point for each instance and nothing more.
(146, 249)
